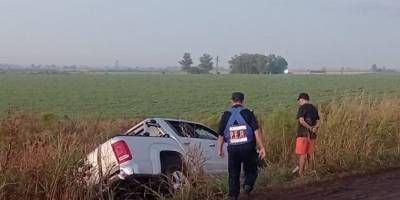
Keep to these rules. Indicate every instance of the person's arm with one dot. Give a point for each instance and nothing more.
(253, 122)
(316, 127)
(221, 146)
(301, 114)
(222, 126)
(260, 143)
(317, 123)
(304, 123)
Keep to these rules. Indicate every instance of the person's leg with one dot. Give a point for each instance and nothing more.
(301, 151)
(302, 164)
(250, 158)
(311, 154)
(234, 167)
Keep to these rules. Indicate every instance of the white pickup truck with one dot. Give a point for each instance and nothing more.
(155, 147)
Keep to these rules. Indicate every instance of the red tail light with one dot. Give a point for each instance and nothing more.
(121, 151)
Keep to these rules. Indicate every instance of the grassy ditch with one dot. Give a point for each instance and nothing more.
(40, 154)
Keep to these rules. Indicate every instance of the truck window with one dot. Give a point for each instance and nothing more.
(144, 130)
(183, 129)
(153, 132)
(205, 133)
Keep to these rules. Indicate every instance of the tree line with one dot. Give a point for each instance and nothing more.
(205, 66)
(244, 63)
(375, 68)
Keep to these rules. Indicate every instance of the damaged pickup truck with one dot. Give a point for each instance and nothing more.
(155, 147)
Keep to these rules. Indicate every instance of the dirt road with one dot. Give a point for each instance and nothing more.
(383, 185)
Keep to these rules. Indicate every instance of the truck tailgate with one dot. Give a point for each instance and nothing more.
(144, 151)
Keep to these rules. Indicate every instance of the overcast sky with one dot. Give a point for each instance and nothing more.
(308, 33)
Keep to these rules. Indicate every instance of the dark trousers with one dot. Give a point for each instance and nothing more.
(238, 154)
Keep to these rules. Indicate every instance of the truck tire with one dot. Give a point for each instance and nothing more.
(175, 175)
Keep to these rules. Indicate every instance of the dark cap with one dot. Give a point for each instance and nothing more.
(303, 96)
(237, 96)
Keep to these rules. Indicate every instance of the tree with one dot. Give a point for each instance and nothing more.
(206, 64)
(258, 64)
(261, 63)
(194, 70)
(186, 62)
(248, 63)
(277, 64)
(374, 68)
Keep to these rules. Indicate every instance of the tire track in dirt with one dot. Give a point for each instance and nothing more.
(383, 185)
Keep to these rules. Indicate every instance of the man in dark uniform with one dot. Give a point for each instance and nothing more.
(239, 128)
(308, 125)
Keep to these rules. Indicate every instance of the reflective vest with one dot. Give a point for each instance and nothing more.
(237, 130)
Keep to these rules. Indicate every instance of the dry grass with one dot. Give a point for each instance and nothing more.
(357, 134)
(199, 186)
(40, 154)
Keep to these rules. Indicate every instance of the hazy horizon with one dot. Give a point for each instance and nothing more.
(309, 34)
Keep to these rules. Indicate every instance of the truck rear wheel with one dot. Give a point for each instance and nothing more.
(175, 174)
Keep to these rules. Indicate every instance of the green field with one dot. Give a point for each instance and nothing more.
(358, 134)
(185, 96)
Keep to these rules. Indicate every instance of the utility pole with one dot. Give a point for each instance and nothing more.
(216, 64)
(116, 64)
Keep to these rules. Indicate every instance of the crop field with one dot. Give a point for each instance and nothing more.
(184, 96)
(41, 148)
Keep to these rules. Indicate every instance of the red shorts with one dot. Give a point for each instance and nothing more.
(304, 145)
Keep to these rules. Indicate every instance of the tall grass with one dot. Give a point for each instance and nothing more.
(40, 154)
(356, 133)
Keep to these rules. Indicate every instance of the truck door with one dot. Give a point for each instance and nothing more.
(200, 143)
(208, 139)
